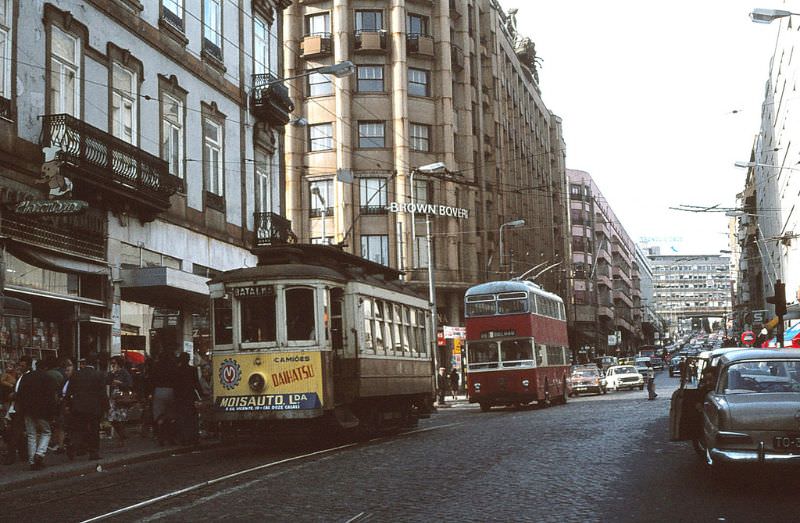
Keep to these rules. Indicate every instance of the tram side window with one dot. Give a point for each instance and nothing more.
(387, 328)
(366, 305)
(399, 343)
(408, 331)
(300, 314)
(422, 341)
(223, 321)
(380, 346)
(258, 318)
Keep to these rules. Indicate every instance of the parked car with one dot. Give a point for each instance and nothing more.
(749, 413)
(675, 365)
(657, 362)
(623, 377)
(587, 378)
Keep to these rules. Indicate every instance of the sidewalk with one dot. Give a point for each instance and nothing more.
(461, 399)
(136, 450)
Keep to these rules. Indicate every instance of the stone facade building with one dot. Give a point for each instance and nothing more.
(448, 82)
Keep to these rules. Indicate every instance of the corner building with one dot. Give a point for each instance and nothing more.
(439, 81)
(156, 114)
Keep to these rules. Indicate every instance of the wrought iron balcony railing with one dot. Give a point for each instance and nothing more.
(271, 99)
(272, 229)
(316, 44)
(100, 164)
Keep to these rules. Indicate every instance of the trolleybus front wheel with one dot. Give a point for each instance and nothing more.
(485, 407)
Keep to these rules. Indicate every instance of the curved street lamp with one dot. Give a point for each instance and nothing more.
(765, 16)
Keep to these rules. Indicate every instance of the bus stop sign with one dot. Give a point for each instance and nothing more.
(748, 338)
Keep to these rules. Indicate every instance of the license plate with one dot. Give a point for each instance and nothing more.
(791, 442)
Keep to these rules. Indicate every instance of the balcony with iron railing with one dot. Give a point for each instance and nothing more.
(108, 170)
(272, 229)
(270, 99)
(316, 45)
(373, 41)
(373, 209)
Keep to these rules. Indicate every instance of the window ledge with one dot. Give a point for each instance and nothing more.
(176, 33)
(133, 5)
(215, 201)
(315, 96)
(213, 60)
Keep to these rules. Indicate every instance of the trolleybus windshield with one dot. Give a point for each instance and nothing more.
(506, 353)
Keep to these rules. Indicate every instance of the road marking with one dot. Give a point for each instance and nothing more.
(226, 477)
(210, 482)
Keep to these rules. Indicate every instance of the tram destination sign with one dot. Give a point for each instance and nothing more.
(253, 291)
(429, 208)
(50, 206)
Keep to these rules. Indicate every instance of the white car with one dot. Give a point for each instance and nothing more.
(623, 377)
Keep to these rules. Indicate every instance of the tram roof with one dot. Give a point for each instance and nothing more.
(300, 261)
(494, 287)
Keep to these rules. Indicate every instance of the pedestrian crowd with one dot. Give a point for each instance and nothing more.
(49, 406)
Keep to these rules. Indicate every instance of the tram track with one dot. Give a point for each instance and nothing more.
(244, 472)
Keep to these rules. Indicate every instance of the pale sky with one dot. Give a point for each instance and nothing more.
(658, 101)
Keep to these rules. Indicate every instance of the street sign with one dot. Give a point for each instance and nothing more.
(612, 340)
(748, 338)
(440, 339)
(759, 315)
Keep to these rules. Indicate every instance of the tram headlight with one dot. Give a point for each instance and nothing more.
(525, 383)
(477, 386)
(257, 382)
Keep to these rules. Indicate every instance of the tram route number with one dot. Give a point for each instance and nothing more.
(297, 401)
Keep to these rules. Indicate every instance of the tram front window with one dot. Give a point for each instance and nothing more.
(258, 319)
(300, 324)
(482, 354)
(516, 353)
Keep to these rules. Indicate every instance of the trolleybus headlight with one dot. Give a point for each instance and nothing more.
(256, 382)
(477, 386)
(525, 383)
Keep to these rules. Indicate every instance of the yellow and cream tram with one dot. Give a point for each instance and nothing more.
(316, 334)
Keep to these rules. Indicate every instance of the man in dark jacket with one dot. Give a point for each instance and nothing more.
(37, 401)
(87, 402)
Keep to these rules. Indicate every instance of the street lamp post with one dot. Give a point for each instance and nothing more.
(315, 191)
(511, 224)
(423, 169)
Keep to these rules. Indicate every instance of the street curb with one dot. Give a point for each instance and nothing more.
(75, 469)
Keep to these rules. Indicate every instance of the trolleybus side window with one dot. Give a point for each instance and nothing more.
(300, 314)
(257, 318)
(512, 302)
(541, 351)
(223, 321)
(366, 307)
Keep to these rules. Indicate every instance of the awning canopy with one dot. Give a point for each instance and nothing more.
(53, 261)
(164, 287)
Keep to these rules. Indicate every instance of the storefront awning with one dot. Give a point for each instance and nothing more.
(164, 287)
(53, 261)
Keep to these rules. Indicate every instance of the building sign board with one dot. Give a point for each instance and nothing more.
(454, 332)
(430, 208)
(50, 206)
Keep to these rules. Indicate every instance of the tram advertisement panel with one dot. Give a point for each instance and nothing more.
(267, 382)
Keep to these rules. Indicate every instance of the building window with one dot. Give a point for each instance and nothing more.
(373, 193)
(264, 168)
(371, 135)
(318, 24)
(323, 201)
(375, 247)
(320, 137)
(172, 133)
(64, 73)
(212, 28)
(265, 46)
(420, 137)
(124, 99)
(5, 48)
(369, 21)
(172, 12)
(213, 158)
(319, 85)
(418, 82)
(417, 25)
(370, 78)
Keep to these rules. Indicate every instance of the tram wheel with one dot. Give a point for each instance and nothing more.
(486, 407)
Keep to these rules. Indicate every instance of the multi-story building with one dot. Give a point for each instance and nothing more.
(607, 294)
(139, 108)
(448, 82)
(748, 251)
(691, 289)
(769, 226)
(655, 329)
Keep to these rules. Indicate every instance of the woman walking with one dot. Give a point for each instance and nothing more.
(121, 388)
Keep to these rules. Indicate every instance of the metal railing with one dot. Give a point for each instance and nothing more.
(271, 98)
(272, 229)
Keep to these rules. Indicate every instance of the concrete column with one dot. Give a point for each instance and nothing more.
(295, 135)
(399, 101)
(344, 127)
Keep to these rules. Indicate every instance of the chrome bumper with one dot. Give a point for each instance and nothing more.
(752, 456)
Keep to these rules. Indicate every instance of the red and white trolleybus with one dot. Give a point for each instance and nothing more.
(517, 347)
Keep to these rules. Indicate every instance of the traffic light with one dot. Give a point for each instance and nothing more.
(779, 299)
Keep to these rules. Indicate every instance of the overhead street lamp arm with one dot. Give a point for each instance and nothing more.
(748, 165)
(338, 70)
(760, 15)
